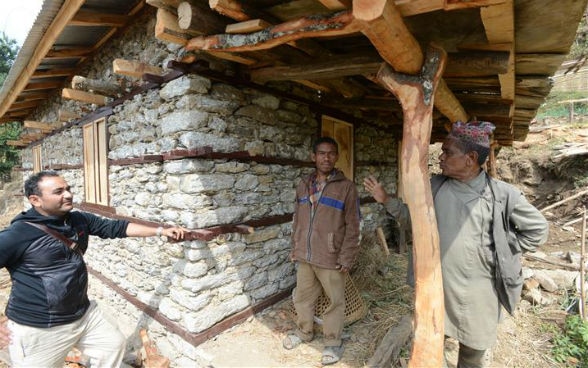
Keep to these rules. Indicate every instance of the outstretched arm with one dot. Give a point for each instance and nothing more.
(138, 230)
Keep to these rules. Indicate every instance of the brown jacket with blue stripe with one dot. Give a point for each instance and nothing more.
(329, 236)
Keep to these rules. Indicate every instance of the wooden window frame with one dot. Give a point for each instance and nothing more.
(96, 162)
(37, 159)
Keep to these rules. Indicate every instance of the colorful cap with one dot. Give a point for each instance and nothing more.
(478, 132)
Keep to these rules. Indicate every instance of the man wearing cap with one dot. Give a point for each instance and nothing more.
(484, 224)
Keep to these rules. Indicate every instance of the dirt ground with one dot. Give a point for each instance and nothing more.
(524, 340)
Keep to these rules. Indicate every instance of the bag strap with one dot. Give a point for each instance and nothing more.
(70, 243)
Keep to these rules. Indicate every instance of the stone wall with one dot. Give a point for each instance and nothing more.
(196, 284)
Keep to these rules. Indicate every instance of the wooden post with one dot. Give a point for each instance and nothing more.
(415, 94)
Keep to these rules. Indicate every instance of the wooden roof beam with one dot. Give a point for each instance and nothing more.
(463, 64)
(16, 143)
(135, 69)
(69, 52)
(87, 97)
(382, 23)
(87, 18)
(240, 12)
(378, 20)
(49, 73)
(65, 14)
(45, 127)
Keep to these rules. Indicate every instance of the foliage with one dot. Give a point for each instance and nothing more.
(569, 346)
(9, 156)
(553, 108)
(8, 50)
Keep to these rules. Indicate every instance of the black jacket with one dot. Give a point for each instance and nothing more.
(49, 280)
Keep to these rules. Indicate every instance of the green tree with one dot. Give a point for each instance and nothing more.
(8, 50)
(9, 156)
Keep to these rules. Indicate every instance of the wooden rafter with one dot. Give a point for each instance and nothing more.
(45, 127)
(93, 18)
(83, 96)
(379, 20)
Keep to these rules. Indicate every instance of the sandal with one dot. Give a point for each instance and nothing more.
(332, 354)
(291, 341)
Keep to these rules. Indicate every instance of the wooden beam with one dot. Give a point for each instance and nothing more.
(199, 19)
(463, 64)
(135, 69)
(168, 5)
(416, 96)
(499, 25)
(377, 19)
(69, 52)
(336, 5)
(82, 96)
(325, 26)
(232, 9)
(339, 67)
(42, 85)
(382, 23)
(167, 28)
(46, 127)
(94, 18)
(24, 105)
(30, 96)
(248, 26)
(66, 115)
(17, 143)
(31, 137)
(57, 72)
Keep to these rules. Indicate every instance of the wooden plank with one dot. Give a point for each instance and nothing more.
(31, 96)
(499, 26)
(168, 5)
(41, 125)
(82, 96)
(68, 52)
(135, 69)
(42, 85)
(336, 5)
(93, 18)
(57, 72)
(16, 143)
(24, 105)
(537, 64)
(248, 26)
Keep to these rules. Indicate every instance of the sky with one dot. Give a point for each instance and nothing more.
(17, 17)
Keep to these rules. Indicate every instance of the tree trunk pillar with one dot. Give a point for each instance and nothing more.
(415, 93)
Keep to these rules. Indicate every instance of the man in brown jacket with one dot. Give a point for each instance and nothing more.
(325, 244)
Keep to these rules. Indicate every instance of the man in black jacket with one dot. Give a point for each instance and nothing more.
(48, 310)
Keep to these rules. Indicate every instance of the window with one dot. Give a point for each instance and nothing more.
(95, 162)
(342, 132)
(37, 162)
